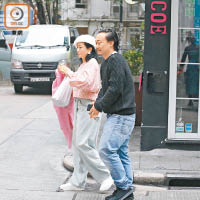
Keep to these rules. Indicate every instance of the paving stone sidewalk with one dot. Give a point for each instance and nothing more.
(168, 195)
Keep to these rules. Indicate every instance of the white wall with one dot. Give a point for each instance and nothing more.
(68, 11)
(95, 9)
(100, 8)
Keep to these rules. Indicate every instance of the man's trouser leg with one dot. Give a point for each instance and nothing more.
(113, 148)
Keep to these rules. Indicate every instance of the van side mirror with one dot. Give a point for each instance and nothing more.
(66, 42)
(72, 39)
(20, 32)
(3, 44)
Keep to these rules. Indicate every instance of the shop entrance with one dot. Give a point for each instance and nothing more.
(184, 84)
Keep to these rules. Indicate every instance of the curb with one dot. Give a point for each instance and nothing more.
(149, 178)
(164, 178)
(140, 177)
(68, 164)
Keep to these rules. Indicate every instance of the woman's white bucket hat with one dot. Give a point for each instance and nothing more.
(85, 38)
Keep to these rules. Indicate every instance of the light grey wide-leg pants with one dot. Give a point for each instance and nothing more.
(84, 141)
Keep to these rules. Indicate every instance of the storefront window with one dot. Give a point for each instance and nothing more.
(185, 73)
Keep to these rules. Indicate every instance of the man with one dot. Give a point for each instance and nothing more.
(116, 99)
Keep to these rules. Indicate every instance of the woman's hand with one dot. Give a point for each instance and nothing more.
(180, 70)
(63, 69)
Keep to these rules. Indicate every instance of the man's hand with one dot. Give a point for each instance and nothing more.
(93, 112)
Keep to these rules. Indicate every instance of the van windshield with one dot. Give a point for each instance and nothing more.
(42, 37)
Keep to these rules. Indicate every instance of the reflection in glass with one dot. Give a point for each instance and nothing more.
(191, 72)
(188, 72)
(186, 117)
(189, 13)
(186, 13)
(188, 54)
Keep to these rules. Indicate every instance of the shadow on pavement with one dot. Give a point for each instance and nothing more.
(35, 91)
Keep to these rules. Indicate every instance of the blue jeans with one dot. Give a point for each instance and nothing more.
(113, 148)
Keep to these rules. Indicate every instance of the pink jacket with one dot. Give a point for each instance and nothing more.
(86, 80)
(65, 114)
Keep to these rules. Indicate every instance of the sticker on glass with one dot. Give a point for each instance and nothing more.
(188, 127)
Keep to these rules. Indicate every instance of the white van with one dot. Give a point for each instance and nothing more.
(5, 56)
(38, 51)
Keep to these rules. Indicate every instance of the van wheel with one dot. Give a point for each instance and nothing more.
(18, 88)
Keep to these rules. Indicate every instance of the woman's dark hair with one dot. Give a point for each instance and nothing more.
(191, 40)
(111, 36)
(93, 53)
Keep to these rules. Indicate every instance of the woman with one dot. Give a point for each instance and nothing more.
(86, 85)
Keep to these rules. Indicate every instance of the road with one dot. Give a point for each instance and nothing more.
(31, 147)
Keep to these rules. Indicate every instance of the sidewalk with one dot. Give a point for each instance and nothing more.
(164, 166)
(160, 167)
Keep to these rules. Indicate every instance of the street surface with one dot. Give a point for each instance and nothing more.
(32, 148)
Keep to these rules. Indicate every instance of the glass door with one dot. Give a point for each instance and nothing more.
(184, 105)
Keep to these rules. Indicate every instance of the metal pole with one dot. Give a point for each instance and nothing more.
(121, 26)
(121, 11)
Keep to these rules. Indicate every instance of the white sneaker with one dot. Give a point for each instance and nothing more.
(106, 184)
(69, 187)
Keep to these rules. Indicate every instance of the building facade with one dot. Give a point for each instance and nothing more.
(89, 16)
(171, 116)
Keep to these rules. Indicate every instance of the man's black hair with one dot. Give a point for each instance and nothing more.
(111, 36)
